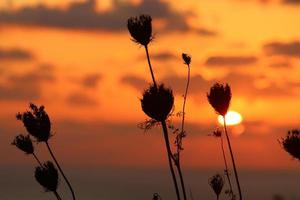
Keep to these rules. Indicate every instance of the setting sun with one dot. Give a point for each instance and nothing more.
(232, 118)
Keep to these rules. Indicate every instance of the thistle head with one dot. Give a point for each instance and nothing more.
(47, 176)
(186, 58)
(36, 122)
(24, 143)
(291, 143)
(216, 182)
(157, 102)
(140, 29)
(219, 98)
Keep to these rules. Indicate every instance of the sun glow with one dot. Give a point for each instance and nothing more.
(232, 118)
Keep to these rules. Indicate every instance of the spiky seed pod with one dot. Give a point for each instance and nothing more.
(291, 143)
(47, 176)
(140, 29)
(157, 103)
(186, 58)
(24, 143)
(36, 122)
(216, 182)
(219, 98)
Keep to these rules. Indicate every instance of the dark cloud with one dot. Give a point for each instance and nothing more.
(163, 56)
(134, 81)
(15, 54)
(230, 60)
(291, 49)
(291, 1)
(91, 80)
(282, 64)
(81, 99)
(83, 15)
(26, 86)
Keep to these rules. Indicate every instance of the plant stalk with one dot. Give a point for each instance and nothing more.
(57, 195)
(150, 66)
(61, 171)
(36, 158)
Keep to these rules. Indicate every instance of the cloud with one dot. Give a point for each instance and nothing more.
(282, 64)
(83, 15)
(134, 81)
(15, 54)
(291, 49)
(230, 60)
(26, 86)
(163, 56)
(91, 80)
(291, 1)
(81, 99)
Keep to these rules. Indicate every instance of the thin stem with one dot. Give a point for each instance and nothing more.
(226, 166)
(61, 171)
(37, 159)
(57, 195)
(232, 159)
(150, 66)
(165, 130)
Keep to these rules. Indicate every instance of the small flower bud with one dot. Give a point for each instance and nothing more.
(140, 29)
(216, 183)
(157, 103)
(217, 133)
(219, 98)
(291, 143)
(24, 143)
(36, 122)
(186, 58)
(47, 176)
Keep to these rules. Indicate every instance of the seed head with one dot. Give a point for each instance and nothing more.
(36, 122)
(24, 143)
(157, 103)
(216, 182)
(219, 98)
(186, 58)
(47, 176)
(217, 133)
(291, 143)
(140, 29)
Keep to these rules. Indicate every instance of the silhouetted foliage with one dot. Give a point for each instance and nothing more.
(47, 176)
(186, 58)
(216, 182)
(157, 103)
(291, 143)
(219, 98)
(36, 122)
(140, 29)
(24, 143)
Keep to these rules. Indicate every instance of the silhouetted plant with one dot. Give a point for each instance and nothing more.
(157, 101)
(37, 123)
(47, 176)
(156, 196)
(219, 97)
(216, 182)
(291, 143)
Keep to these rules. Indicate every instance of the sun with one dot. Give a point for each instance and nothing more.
(232, 118)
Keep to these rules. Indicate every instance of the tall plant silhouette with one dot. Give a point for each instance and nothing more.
(291, 143)
(38, 125)
(157, 101)
(219, 98)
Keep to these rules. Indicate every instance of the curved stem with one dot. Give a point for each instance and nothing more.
(37, 159)
(232, 159)
(226, 166)
(150, 66)
(61, 171)
(57, 195)
(165, 130)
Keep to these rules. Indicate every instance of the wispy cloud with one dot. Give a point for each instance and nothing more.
(14, 54)
(230, 60)
(291, 49)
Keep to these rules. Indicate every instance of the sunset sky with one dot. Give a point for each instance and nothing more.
(77, 59)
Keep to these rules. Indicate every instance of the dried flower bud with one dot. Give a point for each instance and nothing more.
(36, 122)
(47, 176)
(291, 143)
(157, 103)
(216, 183)
(186, 58)
(24, 143)
(217, 133)
(156, 196)
(219, 98)
(140, 29)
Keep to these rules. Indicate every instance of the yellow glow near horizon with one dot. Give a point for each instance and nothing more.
(232, 118)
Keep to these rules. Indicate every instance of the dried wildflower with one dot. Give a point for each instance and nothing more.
(217, 133)
(157, 103)
(24, 143)
(291, 143)
(219, 98)
(140, 29)
(156, 196)
(186, 58)
(216, 182)
(36, 122)
(47, 176)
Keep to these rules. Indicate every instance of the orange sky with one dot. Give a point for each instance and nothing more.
(95, 75)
